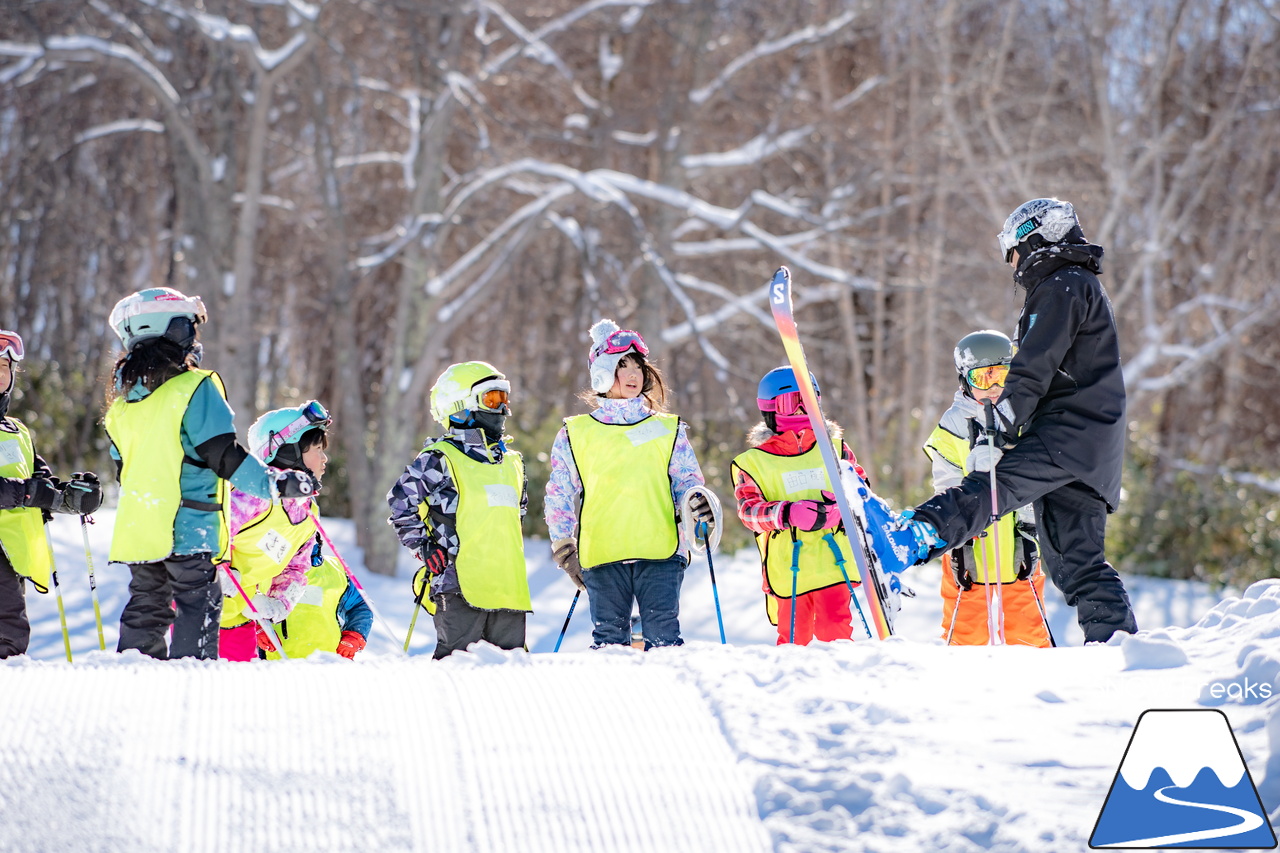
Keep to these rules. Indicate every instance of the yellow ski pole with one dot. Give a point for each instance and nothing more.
(57, 593)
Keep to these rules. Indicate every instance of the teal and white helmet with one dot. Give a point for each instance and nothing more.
(279, 428)
(157, 312)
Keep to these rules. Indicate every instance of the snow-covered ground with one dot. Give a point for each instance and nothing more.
(903, 745)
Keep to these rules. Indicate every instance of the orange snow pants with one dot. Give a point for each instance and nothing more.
(964, 613)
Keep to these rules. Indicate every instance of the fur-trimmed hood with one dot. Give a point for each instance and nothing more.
(760, 433)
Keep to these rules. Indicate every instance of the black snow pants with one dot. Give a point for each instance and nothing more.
(15, 630)
(187, 584)
(458, 625)
(1072, 521)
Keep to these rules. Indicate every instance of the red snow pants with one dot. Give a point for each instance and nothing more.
(823, 614)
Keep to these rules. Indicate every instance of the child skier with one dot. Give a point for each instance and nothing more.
(331, 615)
(982, 360)
(459, 505)
(272, 541)
(633, 464)
(28, 493)
(173, 439)
(784, 496)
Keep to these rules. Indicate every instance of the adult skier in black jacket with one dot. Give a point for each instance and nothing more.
(1061, 419)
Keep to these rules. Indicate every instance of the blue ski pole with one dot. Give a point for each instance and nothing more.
(840, 561)
(566, 620)
(702, 533)
(795, 580)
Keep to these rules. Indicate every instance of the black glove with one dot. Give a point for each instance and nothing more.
(434, 559)
(296, 484)
(40, 492)
(82, 495)
(1030, 549)
(960, 569)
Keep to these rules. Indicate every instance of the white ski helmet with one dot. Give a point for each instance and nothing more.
(157, 312)
(1051, 218)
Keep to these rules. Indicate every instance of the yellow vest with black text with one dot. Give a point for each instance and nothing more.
(951, 447)
(22, 529)
(490, 565)
(797, 478)
(148, 435)
(260, 550)
(313, 624)
(628, 512)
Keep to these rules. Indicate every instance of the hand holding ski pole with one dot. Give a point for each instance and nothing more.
(354, 580)
(265, 625)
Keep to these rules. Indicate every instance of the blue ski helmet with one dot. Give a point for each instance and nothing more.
(779, 381)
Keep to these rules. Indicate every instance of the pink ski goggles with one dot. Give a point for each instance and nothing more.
(783, 404)
(11, 345)
(621, 341)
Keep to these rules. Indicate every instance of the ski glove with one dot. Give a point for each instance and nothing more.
(83, 495)
(229, 589)
(40, 492)
(813, 515)
(268, 608)
(434, 559)
(296, 484)
(700, 510)
(983, 457)
(565, 553)
(264, 639)
(351, 642)
(1030, 549)
(960, 569)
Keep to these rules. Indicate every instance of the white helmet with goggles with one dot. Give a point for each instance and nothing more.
(11, 345)
(1048, 218)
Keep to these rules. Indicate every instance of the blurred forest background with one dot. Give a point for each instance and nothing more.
(364, 191)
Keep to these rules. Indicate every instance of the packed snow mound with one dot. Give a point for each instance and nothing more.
(904, 745)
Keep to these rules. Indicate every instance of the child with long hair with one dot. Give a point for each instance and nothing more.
(173, 438)
(630, 463)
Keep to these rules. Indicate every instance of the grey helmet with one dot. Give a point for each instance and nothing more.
(981, 349)
(1050, 218)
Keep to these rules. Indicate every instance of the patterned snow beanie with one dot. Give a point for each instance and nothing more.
(609, 343)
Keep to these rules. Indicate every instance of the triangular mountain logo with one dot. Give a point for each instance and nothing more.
(1183, 783)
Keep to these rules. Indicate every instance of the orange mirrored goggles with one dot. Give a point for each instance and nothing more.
(984, 378)
(493, 399)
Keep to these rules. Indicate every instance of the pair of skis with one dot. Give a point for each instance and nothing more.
(863, 514)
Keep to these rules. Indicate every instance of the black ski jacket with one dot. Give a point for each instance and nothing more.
(1065, 385)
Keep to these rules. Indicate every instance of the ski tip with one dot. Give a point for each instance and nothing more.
(780, 289)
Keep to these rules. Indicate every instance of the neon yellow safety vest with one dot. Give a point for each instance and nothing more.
(981, 562)
(490, 565)
(797, 478)
(260, 550)
(148, 435)
(22, 533)
(313, 624)
(628, 512)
